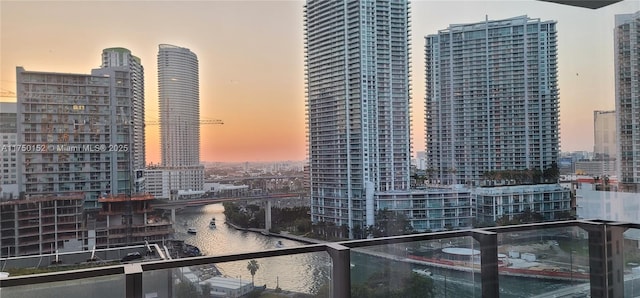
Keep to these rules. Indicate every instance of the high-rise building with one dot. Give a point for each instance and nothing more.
(357, 83)
(179, 98)
(627, 69)
(121, 57)
(8, 152)
(491, 98)
(74, 132)
(604, 134)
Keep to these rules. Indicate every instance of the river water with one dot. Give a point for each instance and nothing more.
(306, 273)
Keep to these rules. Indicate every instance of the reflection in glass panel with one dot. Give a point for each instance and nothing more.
(632, 263)
(544, 263)
(98, 287)
(437, 268)
(299, 274)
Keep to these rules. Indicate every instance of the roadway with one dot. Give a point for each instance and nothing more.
(177, 204)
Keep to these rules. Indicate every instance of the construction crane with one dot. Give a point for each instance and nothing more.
(7, 93)
(201, 122)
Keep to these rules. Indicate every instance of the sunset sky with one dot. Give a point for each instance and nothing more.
(252, 60)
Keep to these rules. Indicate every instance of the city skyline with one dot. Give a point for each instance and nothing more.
(260, 94)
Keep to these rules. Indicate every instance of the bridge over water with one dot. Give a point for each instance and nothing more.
(174, 205)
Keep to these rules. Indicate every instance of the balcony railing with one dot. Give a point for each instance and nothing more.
(601, 270)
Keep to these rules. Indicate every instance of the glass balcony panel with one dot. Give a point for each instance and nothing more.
(98, 287)
(544, 263)
(297, 274)
(436, 268)
(631, 256)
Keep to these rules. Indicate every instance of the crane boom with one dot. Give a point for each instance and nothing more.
(201, 122)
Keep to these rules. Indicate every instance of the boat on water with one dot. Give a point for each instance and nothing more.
(423, 272)
(212, 223)
(192, 230)
(279, 244)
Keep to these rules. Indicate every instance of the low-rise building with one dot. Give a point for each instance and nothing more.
(433, 209)
(127, 220)
(552, 201)
(175, 183)
(40, 224)
(228, 287)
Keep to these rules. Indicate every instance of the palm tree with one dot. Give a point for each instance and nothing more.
(253, 267)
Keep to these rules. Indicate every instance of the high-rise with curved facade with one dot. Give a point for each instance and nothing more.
(179, 99)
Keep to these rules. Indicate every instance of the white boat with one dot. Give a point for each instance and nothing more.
(212, 223)
(192, 230)
(423, 272)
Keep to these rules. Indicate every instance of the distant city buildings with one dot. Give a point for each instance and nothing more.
(492, 98)
(604, 134)
(421, 160)
(627, 66)
(179, 99)
(358, 111)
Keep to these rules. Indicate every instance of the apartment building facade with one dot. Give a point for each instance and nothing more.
(122, 58)
(498, 77)
(627, 69)
(357, 101)
(75, 132)
(551, 201)
(8, 155)
(434, 209)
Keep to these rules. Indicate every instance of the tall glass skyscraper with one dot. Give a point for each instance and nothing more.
(122, 59)
(357, 82)
(179, 91)
(491, 98)
(627, 68)
(179, 99)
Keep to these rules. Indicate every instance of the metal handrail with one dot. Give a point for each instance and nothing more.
(340, 251)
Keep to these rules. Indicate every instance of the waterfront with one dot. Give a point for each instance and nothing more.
(307, 273)
(304, 273)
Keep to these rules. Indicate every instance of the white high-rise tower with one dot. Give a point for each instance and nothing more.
(357, 81)
(492, 100)
(179, 98)
(179, 90)
(627, 67)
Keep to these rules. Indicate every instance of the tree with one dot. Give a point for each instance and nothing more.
(186, 290)
(390, 223)
(394, 281)
(206, 289)
(253, 267)
(418, 286)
